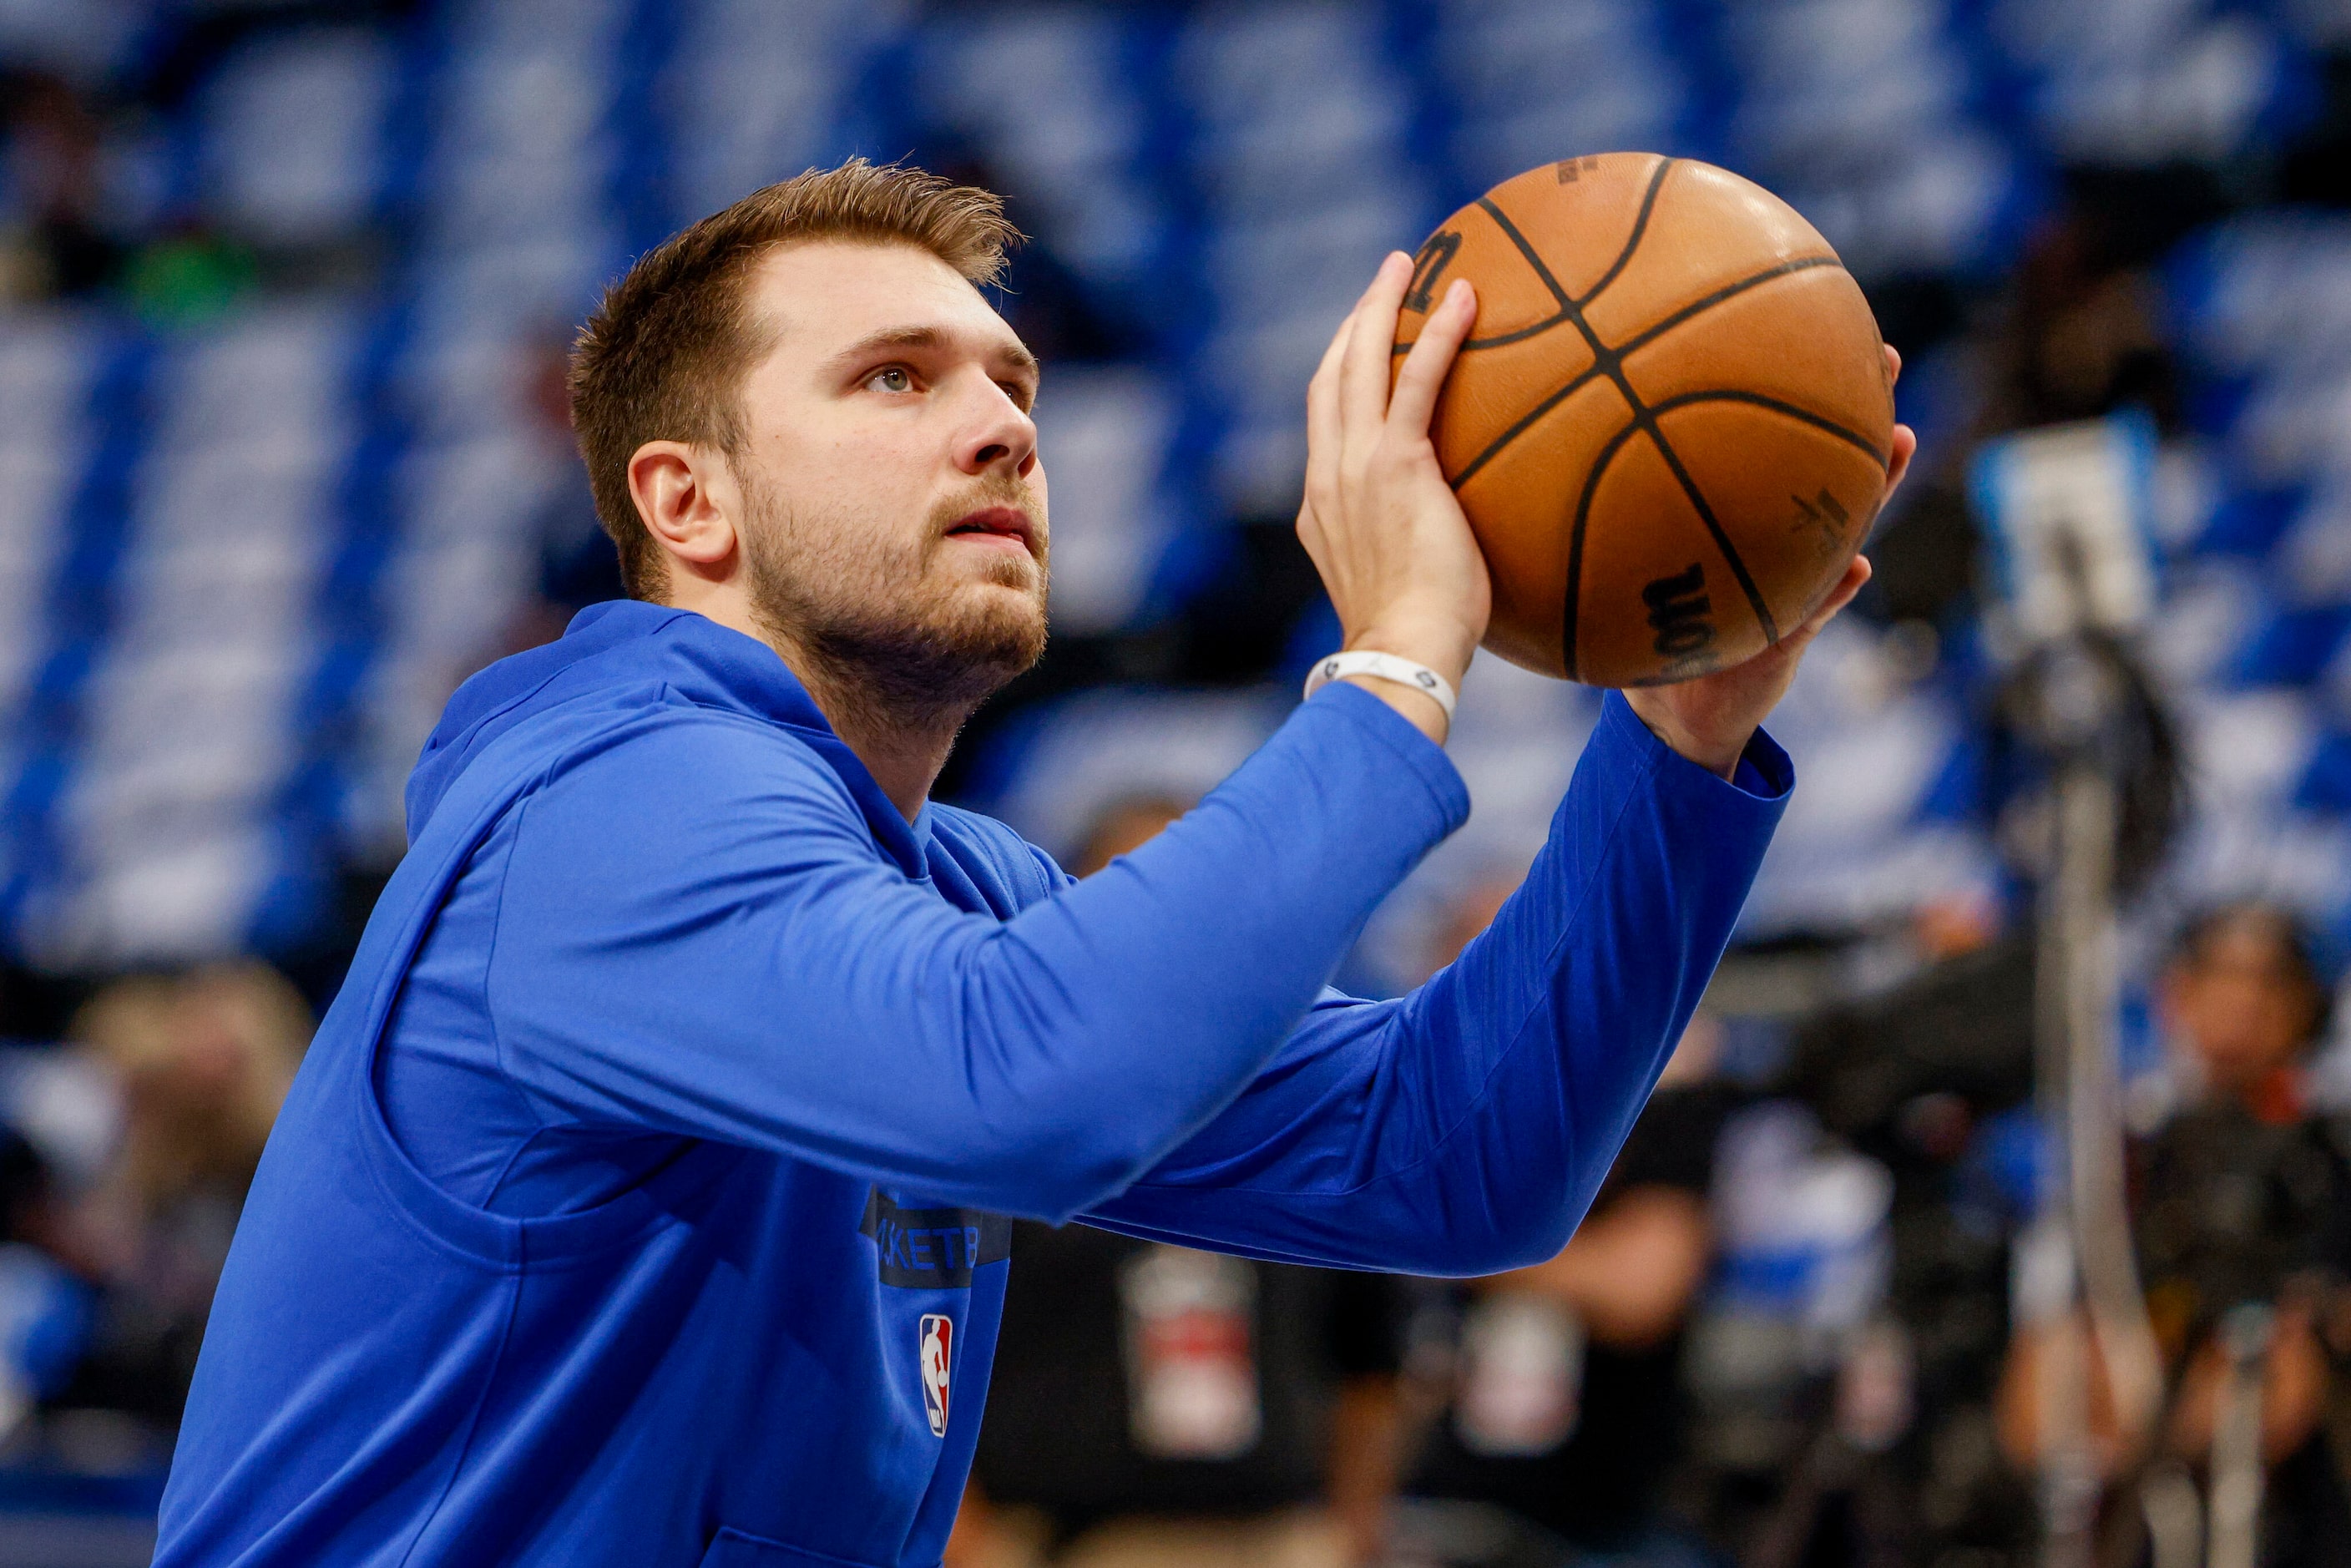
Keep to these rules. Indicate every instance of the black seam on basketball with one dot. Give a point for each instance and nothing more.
(1497, 340)
(1534, 259)
(1559, 295)
(1706, 514)
(1570, 308)
(1567, 626)
(1520, 335)
(1607, 361)
(1641, 339)
(1519, 426)
(1568, 304)
(1640, 227)
(1603, 359)
(1851, 438)
(1651, 333)
(1610, 363)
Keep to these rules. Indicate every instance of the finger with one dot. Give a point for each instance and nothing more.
(1893, 364)
(1323, 401)
(1857, 573)
(1364, 369)
(1790, 650)
(1415, 400)
(1897, 464)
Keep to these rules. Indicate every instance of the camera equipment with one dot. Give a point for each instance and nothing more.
(2066, 505)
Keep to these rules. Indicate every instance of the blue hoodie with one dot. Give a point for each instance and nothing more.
(642, 1198)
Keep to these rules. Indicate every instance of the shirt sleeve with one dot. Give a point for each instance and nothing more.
(697, 935)
(1464, 1128)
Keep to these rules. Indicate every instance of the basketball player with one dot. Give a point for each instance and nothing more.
(642, 1201)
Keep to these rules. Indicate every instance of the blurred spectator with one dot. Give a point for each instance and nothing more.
(577, 563)
(2081, 333)
(1468, 912)
(1154, 1406)
(189, 277)
(1124, 826)
(1556, 1405)
(52, 166)
(1207, 183)
(45, 1310)
(2238, 1198)
(202, 1065)
(1932, 1078)
(1563, 1416)
(1047, 303)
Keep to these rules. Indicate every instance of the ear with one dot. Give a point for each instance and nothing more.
(688, 499)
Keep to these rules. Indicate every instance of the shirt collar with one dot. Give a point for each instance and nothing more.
(717, 666)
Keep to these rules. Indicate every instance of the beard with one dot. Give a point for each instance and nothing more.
(887, 638)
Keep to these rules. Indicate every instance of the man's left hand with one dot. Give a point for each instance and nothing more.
(1710, 719)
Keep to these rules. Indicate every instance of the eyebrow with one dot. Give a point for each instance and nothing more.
(1015, 353)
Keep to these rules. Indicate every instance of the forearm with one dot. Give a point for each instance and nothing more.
(1366, 1457)
(1630, 1271)
(1151, 992)
(1464, 1129)
(748, 971)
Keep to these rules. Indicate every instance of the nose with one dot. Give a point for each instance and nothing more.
(998, 435)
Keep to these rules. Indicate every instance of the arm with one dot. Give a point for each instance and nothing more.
(1630, 1271)
(1463, 1129)
(1366, 1459)
(2295, 1391)
(1364, 1330)
(704, 940)
(696, 934)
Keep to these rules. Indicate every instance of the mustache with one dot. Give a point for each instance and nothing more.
(996, 489)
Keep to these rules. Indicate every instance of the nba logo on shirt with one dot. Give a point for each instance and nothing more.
(934, 1348)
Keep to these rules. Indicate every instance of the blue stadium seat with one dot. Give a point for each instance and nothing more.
(295, 134)
(1220, 176)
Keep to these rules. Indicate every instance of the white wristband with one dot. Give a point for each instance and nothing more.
(1385, 667)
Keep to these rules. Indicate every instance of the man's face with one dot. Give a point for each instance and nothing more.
(895, 505)
(2241, 1008)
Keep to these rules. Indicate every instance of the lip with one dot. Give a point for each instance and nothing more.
(1004, 525)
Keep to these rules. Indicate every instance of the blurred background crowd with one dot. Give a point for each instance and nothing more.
(284, 456)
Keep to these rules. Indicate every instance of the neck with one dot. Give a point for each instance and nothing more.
(903, 745)
(902, 737)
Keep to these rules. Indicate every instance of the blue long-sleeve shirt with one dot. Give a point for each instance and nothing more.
(641, 1200)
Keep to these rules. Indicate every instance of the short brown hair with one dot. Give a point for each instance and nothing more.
(662, 357)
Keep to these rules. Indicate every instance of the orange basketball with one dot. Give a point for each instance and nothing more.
(1671, 422)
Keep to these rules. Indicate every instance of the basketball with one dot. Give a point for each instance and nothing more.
(1670, 424)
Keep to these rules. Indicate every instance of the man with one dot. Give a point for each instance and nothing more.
(1562, 1414)
(1153, 1403)
(2238, 1199)
(692, 1058)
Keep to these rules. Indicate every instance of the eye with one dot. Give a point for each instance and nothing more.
(892, 379)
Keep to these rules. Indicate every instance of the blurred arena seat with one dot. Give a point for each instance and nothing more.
(286, 284)
(245, 556)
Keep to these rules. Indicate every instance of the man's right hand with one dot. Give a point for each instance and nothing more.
(1384, 528)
